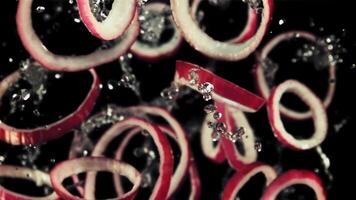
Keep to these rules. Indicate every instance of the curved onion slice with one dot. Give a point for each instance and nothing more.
(39, 177)
(169, 48)
(52, 131)
(248, 31)
(213, 48)
(214, 153)
(314, 103)
(115, 24)
(240, 178)
(224, 91)
(261, 81)
(294, 177)
(235, 119)
(41, 54)
(194, 176)
(161, 188)
(75, 166)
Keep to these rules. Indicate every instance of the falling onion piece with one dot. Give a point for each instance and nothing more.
(318, 114)
(194, 176)
(240, 178)
(295, 177)
(248, 31)
(38, 177)
(162, 185)
(41, 54)
(51, 131)
(213, 48)
(262, 84)
(114, 25)
(224, 90)
(156, 52)
(71, 167)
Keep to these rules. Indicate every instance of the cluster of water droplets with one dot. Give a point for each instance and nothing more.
(270, 69)
(100, 9)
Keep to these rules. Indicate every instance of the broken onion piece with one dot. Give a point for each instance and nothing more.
(52, 61)
(240, 178)
(51, 131)
(262, 84)
(76, 166)
(153, 53)
(224, 90)
(295, 177)
(213, 48)
(162, 185)
(318, 114)
(39, 177)
(114, 25)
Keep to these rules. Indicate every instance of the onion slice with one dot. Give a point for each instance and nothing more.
(41, 54)
(224, 90)
(314, 103)
(240, 178)
(248, 31)
(39, 177)
(262, 84)
(153, 53)
(161, 188)
(295, 177)
(51, 131)
(234, 120)
(75, 166)
(114, 25)
(213, 48)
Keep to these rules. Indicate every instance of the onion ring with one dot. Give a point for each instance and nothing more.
(293, 177)
(318, 113)
(39, 177)
(115, 24)
(41, 54)
(261, 81)
(51, 131)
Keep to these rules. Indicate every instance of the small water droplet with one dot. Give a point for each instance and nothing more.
(210, 108)
(40, 9)
(217, 115)
(258, 146)
(215, 136)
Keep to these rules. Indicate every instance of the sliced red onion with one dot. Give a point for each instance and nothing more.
(234, 120)
(213, 48)
(162, 185)
(71, 167)
(114, 25)
(295, 177)
(37, 176)
(224, 90)
(248, 31)
(240, 178)
(318, 114)
(214, 153)
(51, 131)
(262, 84)
(194, 176)
(41, 54)
(153, 53)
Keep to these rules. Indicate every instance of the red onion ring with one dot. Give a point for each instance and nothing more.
(261, 81)
(41, 54)
(318, 113)
(154, 53)
(249, 29)
(51, 131)
(293, 177)
(213, 48)
(234, 119)
(161, 188)
(240, 178)
(39, 177)
(116, 23)
(224, 91)
(75, 166)
(194, 176)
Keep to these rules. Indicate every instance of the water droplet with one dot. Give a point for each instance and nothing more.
(77, 20)
(40, 9)
(258, 146)
(217, 115)
(220, 128)
(281, 21)
(206, 87)
(211, 124)
(11, 60)
(170, 93)
(215, 136)
(193, 77)
(207, 96)
(210, 108)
